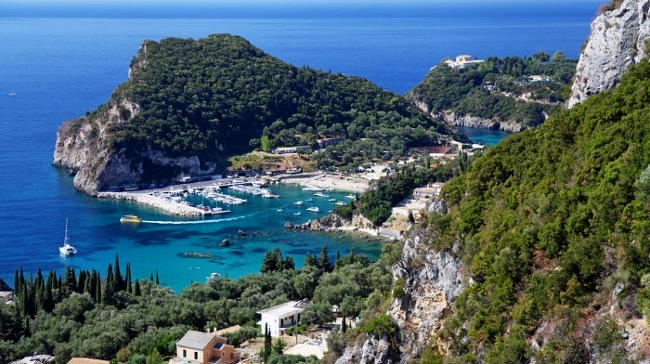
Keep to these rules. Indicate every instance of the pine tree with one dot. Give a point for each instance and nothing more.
(288, 264)
(310, 260)
(127, 278)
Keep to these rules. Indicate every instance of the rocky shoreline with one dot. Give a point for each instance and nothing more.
(335, 223)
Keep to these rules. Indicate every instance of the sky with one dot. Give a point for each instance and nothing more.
(266, 8)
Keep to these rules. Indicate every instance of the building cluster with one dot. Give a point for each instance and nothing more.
(306, 149)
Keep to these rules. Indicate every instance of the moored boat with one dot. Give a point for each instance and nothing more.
(67, 250)
(130, 219)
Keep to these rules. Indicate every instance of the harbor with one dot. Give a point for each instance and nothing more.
(202, 198)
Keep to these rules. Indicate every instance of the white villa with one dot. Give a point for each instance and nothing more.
(281, 317)
(462, 61)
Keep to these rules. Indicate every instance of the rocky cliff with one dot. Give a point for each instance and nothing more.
(432, 280)
(85, 147)
(618, 39)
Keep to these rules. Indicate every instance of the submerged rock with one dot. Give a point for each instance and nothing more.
(200, 255)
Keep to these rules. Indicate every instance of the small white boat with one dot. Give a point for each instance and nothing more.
(352, 197)
(298, 203)
(313, 209)
(279, 210)
(214, 275)
(332, 200)
(219, 210)
(340, 203)
(11, 94)
(297, 214)
(67, 250)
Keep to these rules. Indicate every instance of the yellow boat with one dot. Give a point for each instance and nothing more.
(130, 219)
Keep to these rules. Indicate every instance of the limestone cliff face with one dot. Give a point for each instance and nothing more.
(618, 39)
(432, 281)
(466, 120)
(83, 146)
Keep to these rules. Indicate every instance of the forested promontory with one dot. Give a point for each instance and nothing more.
(189, 104)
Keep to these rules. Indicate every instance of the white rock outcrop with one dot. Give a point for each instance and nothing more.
(618, 40)
(432, 281)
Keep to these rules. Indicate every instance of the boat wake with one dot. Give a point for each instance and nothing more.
(211, 221)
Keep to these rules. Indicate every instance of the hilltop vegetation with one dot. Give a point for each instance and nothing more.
(219, 96)
(499, 89)
(548, 222)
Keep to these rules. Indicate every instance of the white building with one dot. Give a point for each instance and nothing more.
(281, 317)
(462, 61)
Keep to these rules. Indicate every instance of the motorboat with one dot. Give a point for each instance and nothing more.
(130, 219)
(313, 209)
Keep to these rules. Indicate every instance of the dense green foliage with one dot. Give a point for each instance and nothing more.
(142, 320)
(488, 90)
(220, 95)
(546, 219)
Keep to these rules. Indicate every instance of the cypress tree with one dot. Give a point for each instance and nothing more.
(48, 299)
(98, 287)
(344, 325)
(268, 346)
(157, 280)
(119, 282)
(136, 288)
(323, 260)
(337, 262)
(127, 278)
(151, 277)
(16, 282)
(109, 287)
(39, 295)
(70, 280)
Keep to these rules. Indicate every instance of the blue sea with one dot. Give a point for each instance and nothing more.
(63, 61)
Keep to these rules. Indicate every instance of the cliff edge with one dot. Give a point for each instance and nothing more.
(618, 40)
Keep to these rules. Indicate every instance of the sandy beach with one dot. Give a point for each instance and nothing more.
(330, 181)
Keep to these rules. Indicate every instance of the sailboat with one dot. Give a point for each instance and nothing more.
(67, 249)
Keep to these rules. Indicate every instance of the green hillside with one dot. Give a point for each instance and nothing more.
(548, 222)
(499, 89)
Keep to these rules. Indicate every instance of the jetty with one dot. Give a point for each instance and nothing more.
(167, 205)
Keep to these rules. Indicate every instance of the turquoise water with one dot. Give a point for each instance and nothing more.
(157, 244)
(484, 136)
(61, 66)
